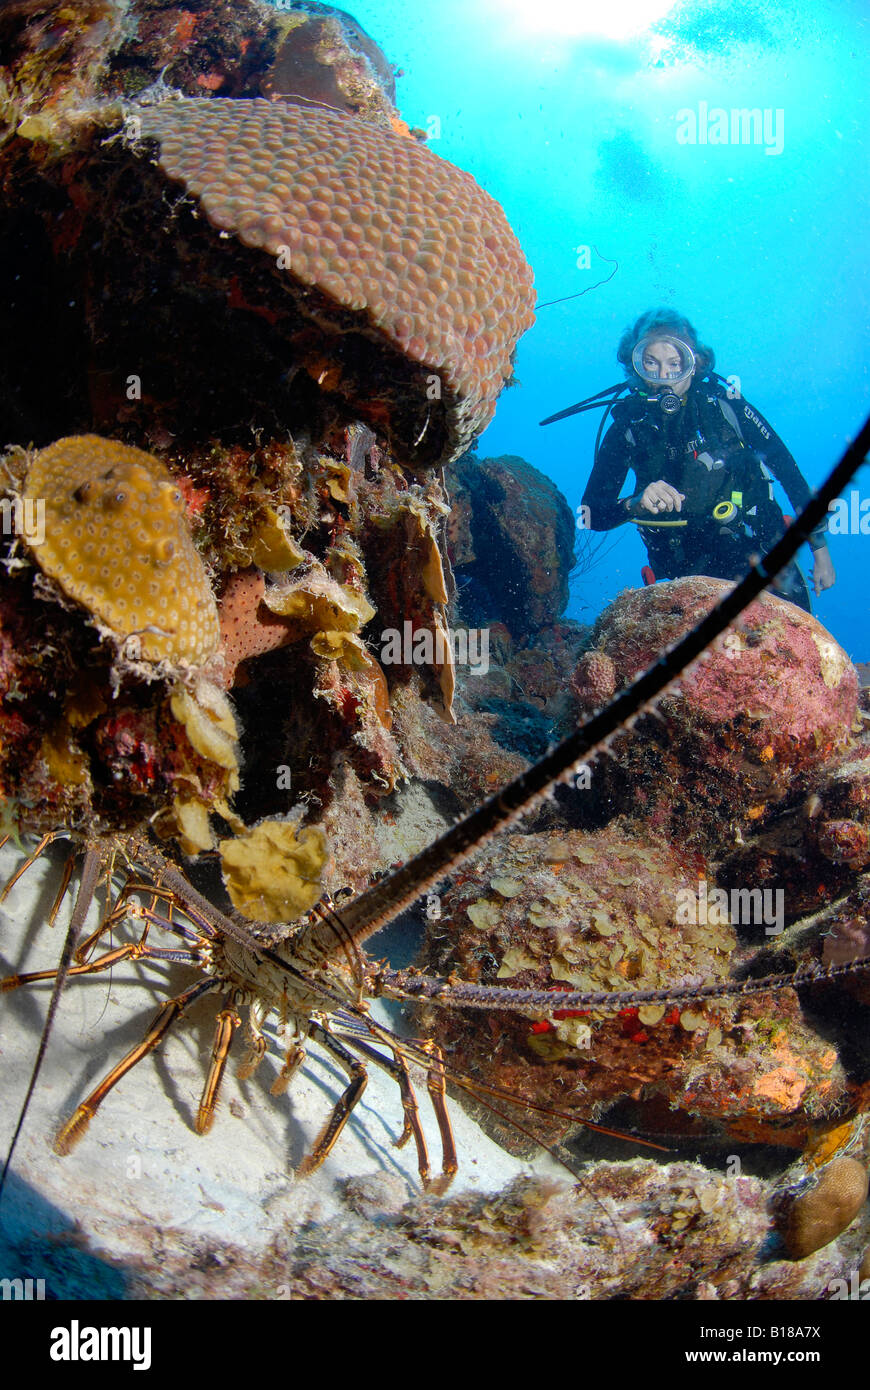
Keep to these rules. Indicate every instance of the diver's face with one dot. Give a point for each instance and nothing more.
(663, 362)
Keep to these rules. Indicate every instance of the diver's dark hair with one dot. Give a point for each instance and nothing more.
(664, 321)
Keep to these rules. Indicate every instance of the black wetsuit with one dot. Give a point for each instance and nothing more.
(715, 451)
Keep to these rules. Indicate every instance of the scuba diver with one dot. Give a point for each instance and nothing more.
(703, 459)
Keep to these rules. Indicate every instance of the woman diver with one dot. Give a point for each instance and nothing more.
(703, 460)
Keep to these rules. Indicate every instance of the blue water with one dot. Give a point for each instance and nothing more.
(574, 132)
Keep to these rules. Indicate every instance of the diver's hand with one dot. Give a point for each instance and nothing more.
(823, 570)
(660, 497)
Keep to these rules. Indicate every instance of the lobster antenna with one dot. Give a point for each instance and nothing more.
(385, 900)
(87, 886)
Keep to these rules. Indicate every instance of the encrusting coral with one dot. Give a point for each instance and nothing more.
(117, 541)
(569, 910)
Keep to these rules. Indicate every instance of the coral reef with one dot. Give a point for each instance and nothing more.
(295, 53)
(241, 638)
(511, 542)
(175, 327)
(666, 1232)
(660, 896)
(608, 911)
(198, 293)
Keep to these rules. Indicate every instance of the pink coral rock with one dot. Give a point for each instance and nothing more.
(745, 727)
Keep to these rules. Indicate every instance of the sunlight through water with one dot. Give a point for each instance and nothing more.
(568, 19)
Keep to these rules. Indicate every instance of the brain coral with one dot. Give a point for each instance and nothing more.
(819, 1214)
(116, 541)
(409, 247)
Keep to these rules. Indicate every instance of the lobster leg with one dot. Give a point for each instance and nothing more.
(438, 1096)
(69, 865)
(399, 1071)
(344, 1105)
(435, 1085)
(72, 1131)
(115, 913)
(132, 951)
(256, 1041)
(44, 843)
(293, 1059)
(227, 1023)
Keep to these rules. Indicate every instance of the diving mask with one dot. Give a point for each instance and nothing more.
(660, 359)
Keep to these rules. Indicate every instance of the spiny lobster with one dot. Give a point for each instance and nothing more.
(313, 973)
